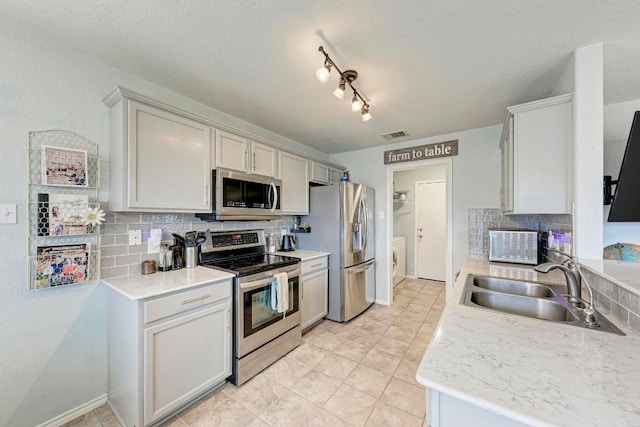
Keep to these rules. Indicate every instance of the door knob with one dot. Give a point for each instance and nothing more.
(420, 236)
(419, 229)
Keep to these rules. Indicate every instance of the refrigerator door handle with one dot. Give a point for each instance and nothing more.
(365, 237)
(360, 268)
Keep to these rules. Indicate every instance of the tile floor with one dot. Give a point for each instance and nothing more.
(361, 373)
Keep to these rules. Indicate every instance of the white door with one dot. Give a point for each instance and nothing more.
(431, 229)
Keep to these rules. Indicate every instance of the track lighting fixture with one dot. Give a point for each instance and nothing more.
(358, 103)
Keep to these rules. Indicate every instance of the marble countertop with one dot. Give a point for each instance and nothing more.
(141, 286)
(304, 254)
(533, 371)
(624, 274)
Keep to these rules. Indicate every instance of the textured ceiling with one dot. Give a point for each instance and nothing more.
(428, 67)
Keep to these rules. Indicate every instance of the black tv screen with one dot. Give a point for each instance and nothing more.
(626, 200)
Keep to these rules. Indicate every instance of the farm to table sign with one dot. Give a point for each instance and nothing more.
(422, 152)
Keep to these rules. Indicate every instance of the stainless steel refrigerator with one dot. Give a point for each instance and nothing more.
(342, 223)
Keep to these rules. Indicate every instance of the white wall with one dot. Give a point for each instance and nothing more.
(617, 124)
(53, 344)
(475, 183)
(404, 215)
(588, 152)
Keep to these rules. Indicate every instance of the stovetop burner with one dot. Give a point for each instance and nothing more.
(241, 253)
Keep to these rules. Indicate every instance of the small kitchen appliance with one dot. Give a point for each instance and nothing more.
(288, 243)
(515, 246)
(261, 335)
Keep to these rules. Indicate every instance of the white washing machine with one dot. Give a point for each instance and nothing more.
(399, 259)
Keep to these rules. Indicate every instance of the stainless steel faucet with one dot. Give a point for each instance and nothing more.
(571, 274)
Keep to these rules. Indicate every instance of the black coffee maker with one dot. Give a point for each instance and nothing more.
(288, 243)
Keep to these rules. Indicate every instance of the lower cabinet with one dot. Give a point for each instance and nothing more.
(314, 282)
(166, 351)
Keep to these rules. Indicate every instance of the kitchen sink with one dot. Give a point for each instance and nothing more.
(531, 307)
(517, 287)
(528, 299)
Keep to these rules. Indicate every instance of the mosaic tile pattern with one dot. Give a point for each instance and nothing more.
(359, 373)
(482, 220)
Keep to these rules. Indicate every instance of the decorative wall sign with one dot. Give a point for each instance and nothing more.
(421, 152)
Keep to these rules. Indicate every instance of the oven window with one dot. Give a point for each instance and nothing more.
(258, 313)
(233, 193)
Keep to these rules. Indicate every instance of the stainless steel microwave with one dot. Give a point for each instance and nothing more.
(241, 196)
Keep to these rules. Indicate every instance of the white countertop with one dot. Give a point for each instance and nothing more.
(533, 371)
(624, 274)
(141, 286)
(304, 254)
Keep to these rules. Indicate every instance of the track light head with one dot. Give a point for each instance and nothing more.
(322, 73)
(339, 92)
(366, 116)
(356, 104)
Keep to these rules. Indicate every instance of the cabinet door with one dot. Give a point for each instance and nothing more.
(184, 357)
(263, 159)
(231, 151)
(295, 184)
(319, 173)
(335, 175)
(315, 297)
(168, 162)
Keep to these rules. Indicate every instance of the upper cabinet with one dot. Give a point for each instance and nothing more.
(320, 173)
(159, 161)
(536, 157)
(241, 154)
(335, 175)
(293, 172)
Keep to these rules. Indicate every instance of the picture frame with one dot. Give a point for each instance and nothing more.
(64, 167)
(58, 265)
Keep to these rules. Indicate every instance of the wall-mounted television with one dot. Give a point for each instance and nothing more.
(626, 200)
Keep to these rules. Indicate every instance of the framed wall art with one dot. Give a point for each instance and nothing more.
(64, 167)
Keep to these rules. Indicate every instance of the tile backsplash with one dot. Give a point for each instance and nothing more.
(118, 259)
(482, 220)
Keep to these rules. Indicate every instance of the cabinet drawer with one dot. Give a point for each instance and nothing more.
(313, 265)
(187, 300)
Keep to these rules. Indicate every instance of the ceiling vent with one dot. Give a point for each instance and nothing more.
(393, 135)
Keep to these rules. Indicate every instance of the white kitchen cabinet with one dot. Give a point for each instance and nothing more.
(320, 173)
(166, 351)
(536, 157)
(314, 285)
(294, 174)
(231, 151)
(241, 154)
(159, 160)
(335, 175)
(264, 159)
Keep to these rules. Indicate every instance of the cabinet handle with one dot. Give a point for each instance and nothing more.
(254, 160)
(189, 301)
(245, 160)
(316, 265)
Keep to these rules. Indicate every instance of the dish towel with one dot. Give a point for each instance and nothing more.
(280, 292)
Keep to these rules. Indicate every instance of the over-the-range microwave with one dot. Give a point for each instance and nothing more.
(241, 196)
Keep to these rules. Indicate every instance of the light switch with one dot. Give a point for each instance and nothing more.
(135, 237)
(8, 213)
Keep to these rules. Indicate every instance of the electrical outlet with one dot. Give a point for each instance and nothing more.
(135, 237)
(155, 238)
(8, 214)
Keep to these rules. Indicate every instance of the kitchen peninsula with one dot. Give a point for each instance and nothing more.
(489, 368)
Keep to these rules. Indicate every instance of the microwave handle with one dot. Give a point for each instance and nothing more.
(275, 197)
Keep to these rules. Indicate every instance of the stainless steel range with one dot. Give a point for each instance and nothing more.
(261, 335)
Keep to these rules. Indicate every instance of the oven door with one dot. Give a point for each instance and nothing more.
(256, 322)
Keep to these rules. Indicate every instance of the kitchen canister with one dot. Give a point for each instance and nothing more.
(148, 267)
(190, 256)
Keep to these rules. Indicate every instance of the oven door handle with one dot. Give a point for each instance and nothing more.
(260, 283)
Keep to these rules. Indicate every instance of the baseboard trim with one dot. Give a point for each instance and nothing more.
(75, 412)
